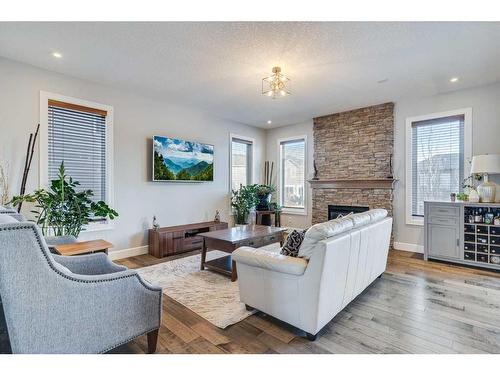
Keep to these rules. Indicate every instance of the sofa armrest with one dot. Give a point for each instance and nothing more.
(92, 264)
(272, 261)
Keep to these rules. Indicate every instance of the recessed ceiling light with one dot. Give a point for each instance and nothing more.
(454, 79)
(57, 55)
(269, 122)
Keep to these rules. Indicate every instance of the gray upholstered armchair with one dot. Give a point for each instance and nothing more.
(84, 304)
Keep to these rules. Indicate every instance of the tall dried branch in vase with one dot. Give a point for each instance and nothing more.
(27, 164)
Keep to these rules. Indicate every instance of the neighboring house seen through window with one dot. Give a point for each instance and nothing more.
(241, 162)
(292, 173)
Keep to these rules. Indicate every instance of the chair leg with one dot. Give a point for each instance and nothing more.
(152, 340)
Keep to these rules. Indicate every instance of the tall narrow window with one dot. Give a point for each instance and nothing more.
(241, 163)
(77, 137)
(80, 134)
(292, 173)
(437, 160)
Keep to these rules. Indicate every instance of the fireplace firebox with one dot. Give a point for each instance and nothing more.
(335, 211)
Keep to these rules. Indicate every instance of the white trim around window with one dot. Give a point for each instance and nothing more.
(467, 113)
(289, 210)
(44, 144)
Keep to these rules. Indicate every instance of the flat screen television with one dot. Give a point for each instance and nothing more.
(177, 160)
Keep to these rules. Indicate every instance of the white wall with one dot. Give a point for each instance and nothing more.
(272, 154)
(136, 119)
(485, 103)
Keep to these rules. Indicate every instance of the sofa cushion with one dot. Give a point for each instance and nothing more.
(330, 228)
(258, 257)
(377, 214)
(293, 242)
(360, 219)
(322, 231)
(7, 219)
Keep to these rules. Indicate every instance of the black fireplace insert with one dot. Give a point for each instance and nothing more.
(335, 211)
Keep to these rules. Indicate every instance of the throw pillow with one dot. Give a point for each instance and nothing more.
(292, 244)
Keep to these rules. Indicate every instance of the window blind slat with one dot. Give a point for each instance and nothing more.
(79, 139)
(437, 160)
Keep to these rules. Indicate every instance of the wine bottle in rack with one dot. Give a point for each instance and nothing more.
(478, 217)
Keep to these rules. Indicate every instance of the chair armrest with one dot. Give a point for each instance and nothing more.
(59, 240)
(260, 258)
(92, 264)
(125, 274)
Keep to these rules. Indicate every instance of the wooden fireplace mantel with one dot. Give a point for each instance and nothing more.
(364, 183)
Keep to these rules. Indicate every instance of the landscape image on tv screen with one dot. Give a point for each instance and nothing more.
(178, 160)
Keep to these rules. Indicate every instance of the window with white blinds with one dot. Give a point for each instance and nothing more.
(241, 162)
(77, 137)
(292, 174)
(437, 160)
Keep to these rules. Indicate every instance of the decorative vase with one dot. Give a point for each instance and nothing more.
(486, 191)
(241, 217)
(473, 196)
(264, 201)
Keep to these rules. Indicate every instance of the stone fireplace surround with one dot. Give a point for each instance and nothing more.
(353, 155)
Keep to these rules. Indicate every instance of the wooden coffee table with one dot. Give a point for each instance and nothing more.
(85, 247)
(228, 240)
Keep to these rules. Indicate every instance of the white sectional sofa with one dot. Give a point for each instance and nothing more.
(337, 260)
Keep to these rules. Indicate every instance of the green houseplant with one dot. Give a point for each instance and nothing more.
(64, 210)
(242, 201)
(468, 184)
(264, 193)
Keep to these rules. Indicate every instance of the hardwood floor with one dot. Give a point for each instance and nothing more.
(415, 307)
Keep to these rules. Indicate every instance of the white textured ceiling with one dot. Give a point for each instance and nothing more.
(218, 66)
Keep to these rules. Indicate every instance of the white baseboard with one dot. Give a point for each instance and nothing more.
(408, 247)
(126, 253)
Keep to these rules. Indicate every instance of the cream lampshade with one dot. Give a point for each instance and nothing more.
(486, 164)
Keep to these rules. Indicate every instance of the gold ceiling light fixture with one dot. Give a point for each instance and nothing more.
(276, 85)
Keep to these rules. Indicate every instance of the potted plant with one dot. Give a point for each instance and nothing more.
(63, 210)
(243, 200)
(264, 193)
(468, 184)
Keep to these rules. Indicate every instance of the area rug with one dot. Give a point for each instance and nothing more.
(212, 296)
